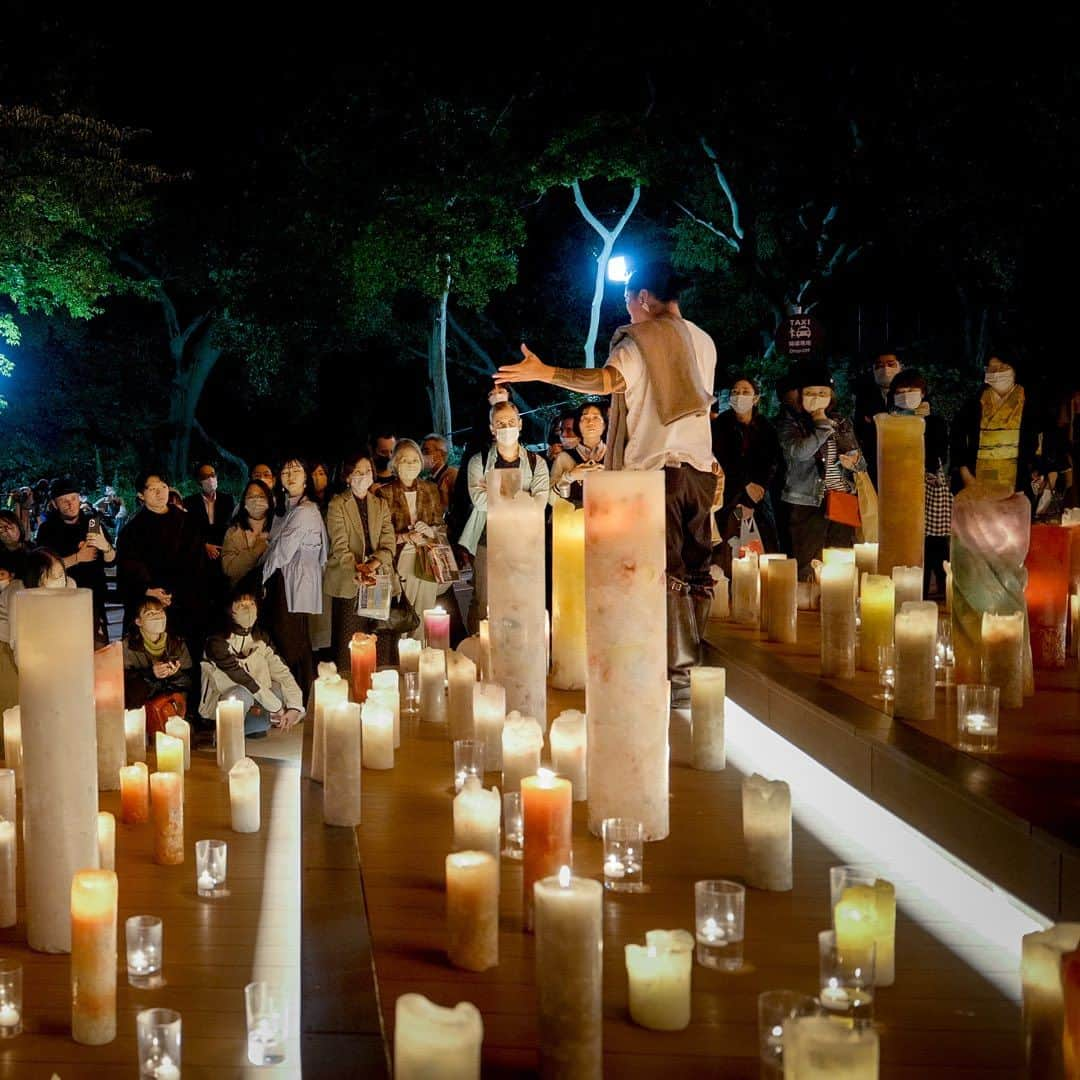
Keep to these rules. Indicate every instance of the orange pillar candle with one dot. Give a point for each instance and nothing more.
(135, 794)
(362, 659)
(1047, 594)
(547, 812)
(167, 799)
(93, 957)
(109, 711)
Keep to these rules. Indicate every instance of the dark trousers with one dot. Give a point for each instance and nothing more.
(811, 531)
(688, 498)
(935, 554)
(289, 629)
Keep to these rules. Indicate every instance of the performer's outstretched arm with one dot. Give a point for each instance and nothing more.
(605, 380)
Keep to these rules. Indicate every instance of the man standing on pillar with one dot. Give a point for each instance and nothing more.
(659, 373)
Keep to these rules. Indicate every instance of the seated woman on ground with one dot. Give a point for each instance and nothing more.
(157, 665)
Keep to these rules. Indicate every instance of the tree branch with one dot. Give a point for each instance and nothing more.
(168, 308)
(722, 180)
(732, 243)
(586, 213)
(226, 455)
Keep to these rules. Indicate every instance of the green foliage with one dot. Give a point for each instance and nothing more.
(603, 146)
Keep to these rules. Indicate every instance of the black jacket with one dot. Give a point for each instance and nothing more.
(870, 400)
(224, 505)
(748, 454)
(63, 539)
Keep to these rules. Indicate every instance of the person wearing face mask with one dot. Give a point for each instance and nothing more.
(821, 454)
(871, 398)
(157, 667)
(995, 434)
(584, 455)
(10, 584)
(319, 624)
(211, 509)
(361, 530)
(382, 450)
(244, 545)
(293, 569)
(440, 472)
(746, 446)
(241, 664)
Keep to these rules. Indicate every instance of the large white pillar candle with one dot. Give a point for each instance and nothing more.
(135, 734)
(60, 800)
(626, 683)
(93, 956)
(8, 863)
(477, 812)
(431, 1041)
(1002, 654)
(106, 834)
(766, 817)
(522, 741)
(659, 978)
(908, 584)
(472, 909)
(1044, 999)
(409, 655)
(781, 600)
(377, 723)
(516, 588)
(877, 605)
(838, 621)
(567, 596)
(708, 687)
(746, 590)
(330, 690)
(568, 740)
(865, 560)
(13, 757)
(569, 919)
(916, 646)
(489, 716)
(179, 728)
(388, 685)
(819, 1048)
(460, 680)
(433, 686)
(244, 799)
(230, 733)
(901, 491)
(109, 712)
(344, 764)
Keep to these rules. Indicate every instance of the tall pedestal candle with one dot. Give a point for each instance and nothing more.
(708, 689)
(477, 813)
(567, 596)
(93, 957)
(901, 460)
(135, 734)
(472, 910)
(430, 1041)
(916, 646)
(745, 590)
(60, 801)
(876, 610)
(838, 621)
(1047, 594)
(362, 664)
(546, 812)
(1041, 959)
(766, 816)
(489, 716)
(626, 684)
(568, 757)
(460, 681)
(13, 757)
(1003, 657)
(344, 765)
(330, 690)
(167, 802)
(109, 711)
(433, 686)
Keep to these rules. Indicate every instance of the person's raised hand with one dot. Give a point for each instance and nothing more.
(87, 552)
(530, 369)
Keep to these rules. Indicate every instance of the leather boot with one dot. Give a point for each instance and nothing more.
(682, 645)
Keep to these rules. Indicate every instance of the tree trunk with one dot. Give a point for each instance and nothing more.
(187, 389)
(598, 299)
(438, 384)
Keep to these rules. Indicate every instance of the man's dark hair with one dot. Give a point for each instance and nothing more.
(660, 279)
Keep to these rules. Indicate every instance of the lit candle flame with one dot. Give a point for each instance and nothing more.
(546, 776)
(564, 877)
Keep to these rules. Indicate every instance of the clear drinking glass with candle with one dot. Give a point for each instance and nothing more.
(719, 918)
(977, 716)
(777, 1009)
(846, 980)
(211, 867)
(624, 854)
(864, 910)
(410, 693)
(266, 1006)
(144, 946)
(513, 826)
(468, 761)
(159, 1035)
(11, 998)
(886, 669)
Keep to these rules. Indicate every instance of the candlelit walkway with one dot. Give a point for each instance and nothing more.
(942, 1018)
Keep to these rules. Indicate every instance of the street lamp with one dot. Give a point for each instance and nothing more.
(617, 269)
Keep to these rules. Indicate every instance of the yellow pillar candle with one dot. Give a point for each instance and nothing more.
(489, 716)
(106, 838)
(838, 620)
(8, 863)
(109, 714)
(1042, 953)
(342, 803)
(522, 741)
(864, 914)
(179, 728)
(135, 734)
(745, 590)
(781, 601)
(901, 491)
(1002, 655)
(230, 734)
(330, 690)
(244, 798)
(432, 1041)
(13, 744)
(170, 755)
(477, 812)
(567, 596)
(135, 794)
(876, 612)
(659, 978)
(167, 803)
(460, 680)
(766, 817)
(865, 560)
(763, 586)
(433, 686)
(93, 957)
(387, 684)
(708, 688)
(377, 729)
(472, 910)
(568, 750)
(916, 648)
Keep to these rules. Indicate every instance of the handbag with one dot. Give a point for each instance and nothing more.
(843, 508)
(402, 618)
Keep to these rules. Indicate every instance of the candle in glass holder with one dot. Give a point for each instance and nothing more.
(659, 978)
(1002, 652)
(567, 738)
(907, 585)
(745, 589)
(362, 664)
(708, 687)
(916, 649)
(329, 690)
(179, 728)
(431, 1041)
(377, 725)
(13, 743)
(230, 733)
(781, 604)
(433, 686)
(876, 613)
(409, 655)
(167, 801)
(460, 681)
(169, 752)
(106, 838)
(819, 1048)
(546, 810)
(864, 914)
(763, 586)
(838, 621)
(865, 560)
(522, 741)
(135, 794)
(8, 856)
(766, 817)
(93, 956)
(342, 736)
(144, 947)
(437, 628)
(1041, 959)
(472, 909)
(109, 714)
(135, 734)
(477, 811)
(388, 685)
(489, 716)
(244, 801)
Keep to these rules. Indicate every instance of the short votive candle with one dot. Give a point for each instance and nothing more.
(624, 854)
(11, 998)
(719, 920)
(159, 1035)
(977, 716)
(468, 761)
(211, 867)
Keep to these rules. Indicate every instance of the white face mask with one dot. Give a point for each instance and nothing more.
(907, 399)
(4, 584)
(814, 404)
(1001, 381)
(742, 403)
(568, 442)
(256, 508)
(507, 436)
(244, 616)
(209, 485)
(884, 376)
(153, 625)
(359, 484)
(408, 471)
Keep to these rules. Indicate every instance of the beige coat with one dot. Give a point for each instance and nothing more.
(349, 545)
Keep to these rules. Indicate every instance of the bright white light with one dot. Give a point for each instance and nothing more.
(617, 270)
(970, 916)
